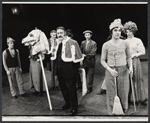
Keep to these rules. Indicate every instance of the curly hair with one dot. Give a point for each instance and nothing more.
(130, 26)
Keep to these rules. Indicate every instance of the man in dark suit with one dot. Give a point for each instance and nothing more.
(88, 48)
(66, 52)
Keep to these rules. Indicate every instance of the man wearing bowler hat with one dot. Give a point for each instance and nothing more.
(88, 48)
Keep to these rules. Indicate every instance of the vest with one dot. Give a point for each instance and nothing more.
(11, 61)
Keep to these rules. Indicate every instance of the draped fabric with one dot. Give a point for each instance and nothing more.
(138, 82)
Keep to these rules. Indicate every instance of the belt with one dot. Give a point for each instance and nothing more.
(135, 57)
(122, 66)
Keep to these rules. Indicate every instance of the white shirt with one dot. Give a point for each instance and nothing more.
(136, 45)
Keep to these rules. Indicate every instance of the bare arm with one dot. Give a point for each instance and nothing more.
(129, 59)
(4, 61)
(104, 57)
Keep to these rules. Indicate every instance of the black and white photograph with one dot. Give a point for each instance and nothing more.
(74, 61)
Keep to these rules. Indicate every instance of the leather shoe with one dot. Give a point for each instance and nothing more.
(15, 96)
(24, 95)
(101, 92)
(66, 106)
(73, 112)
(89, 90)
(52, 89)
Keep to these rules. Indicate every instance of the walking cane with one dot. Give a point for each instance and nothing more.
(45, 83)
(132, 91)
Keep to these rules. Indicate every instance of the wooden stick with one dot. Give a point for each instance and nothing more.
(45, 83)
(132, 92)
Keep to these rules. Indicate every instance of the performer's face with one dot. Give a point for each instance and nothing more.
(129, 33)
(53, 34)
(87, 36)
(116, 32)
(11, 44)
(60, 34)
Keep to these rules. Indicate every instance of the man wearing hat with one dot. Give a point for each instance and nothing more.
(12, 66)
(88, 48)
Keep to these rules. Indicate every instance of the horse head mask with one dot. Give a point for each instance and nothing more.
(37, 40)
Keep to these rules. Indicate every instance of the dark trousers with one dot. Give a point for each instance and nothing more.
(67, 83)
(89, 75)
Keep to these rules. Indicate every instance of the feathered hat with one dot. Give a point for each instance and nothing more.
(116, 23)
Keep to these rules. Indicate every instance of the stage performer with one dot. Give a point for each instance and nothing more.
(37, 43)
(119, 63)
(51, 63)
(136, 49)
(12, 66)
(66, 52)
(88, 48)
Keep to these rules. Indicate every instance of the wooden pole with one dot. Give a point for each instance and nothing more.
(45, 83)
(132, 91)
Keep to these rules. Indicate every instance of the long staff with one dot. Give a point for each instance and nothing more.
(132, 91)
(50, 105)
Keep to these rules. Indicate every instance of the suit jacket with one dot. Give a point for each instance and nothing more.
(89, 51)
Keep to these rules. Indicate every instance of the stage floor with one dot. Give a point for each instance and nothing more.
(89, 105)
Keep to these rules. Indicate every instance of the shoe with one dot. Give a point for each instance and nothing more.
(15, 96)
(89, 90)
(144, 102)
(66, 106)
(40, 93)
(101, 92)
(58, 88)
(72, 112)
(52, 89)
(125, 110)
(24, 95)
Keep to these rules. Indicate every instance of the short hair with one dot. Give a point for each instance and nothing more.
(60, 27)
(53, 31)
(69, 33)
(9, 39)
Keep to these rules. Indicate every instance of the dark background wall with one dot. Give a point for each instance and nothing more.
(78, 17)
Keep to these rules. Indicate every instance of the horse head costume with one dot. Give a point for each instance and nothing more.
(38, 40)
(39, 45)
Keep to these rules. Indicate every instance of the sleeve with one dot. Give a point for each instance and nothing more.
(78, 54)
(81, 46)
(141, 48)
(104, 55)
(4, 60)
(93, 50)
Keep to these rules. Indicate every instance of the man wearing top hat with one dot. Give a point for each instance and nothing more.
(88, 48)
(12, 66)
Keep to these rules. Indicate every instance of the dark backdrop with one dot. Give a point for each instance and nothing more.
(78, 17)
